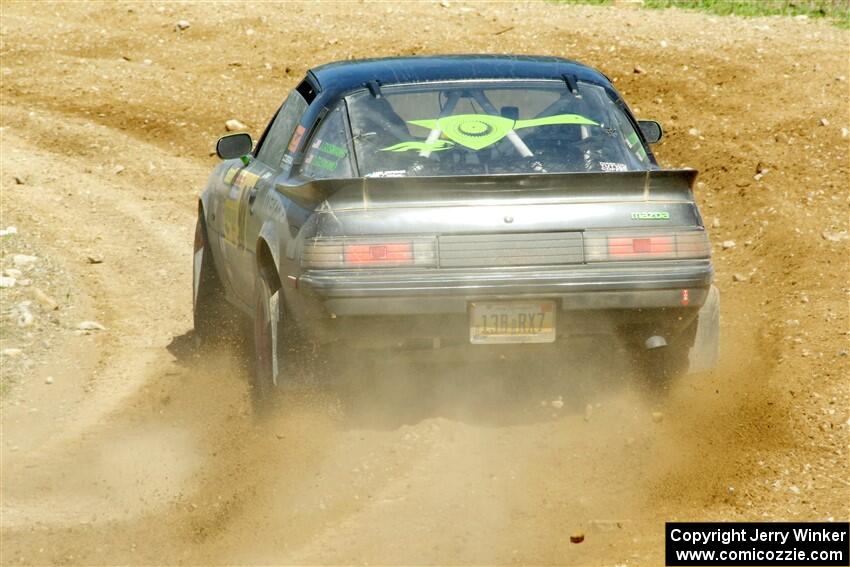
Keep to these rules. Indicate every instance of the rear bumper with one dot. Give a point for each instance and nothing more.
(644, 285)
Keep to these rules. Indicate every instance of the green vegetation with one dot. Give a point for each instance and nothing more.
(836, 10)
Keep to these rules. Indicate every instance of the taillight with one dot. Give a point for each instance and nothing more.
(379, 252)
(398, 253)
(602, 246)
(644, 246)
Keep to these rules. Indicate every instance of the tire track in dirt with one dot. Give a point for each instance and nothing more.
(146, 249)
(90, 213)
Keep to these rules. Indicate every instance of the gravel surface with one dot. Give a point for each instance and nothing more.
(121, 445)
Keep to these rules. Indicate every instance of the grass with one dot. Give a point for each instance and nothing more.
(838, 11)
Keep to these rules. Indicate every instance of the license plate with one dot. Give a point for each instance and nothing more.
(493, 322)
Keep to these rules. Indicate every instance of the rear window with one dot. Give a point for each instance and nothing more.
(487, 128)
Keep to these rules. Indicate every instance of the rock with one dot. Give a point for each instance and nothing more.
(739, 277)
(824, 122)
(657, 417)
(588, 412)
(23, 260)
(147, 62)
(90, 326)
(118, 169)
(845, 133)
(19, 180)
(48, 380)
(638, 70)
(835, 236)
(46, 302)
(8, 230)
(576, 537)
(183, 25)
(557, 404)
(6, 281)
(445, 3)
(233, 125)
(715, 223)
(728, 244)
(11, 352)
(794, 489)
(693, 132)
(25, 317)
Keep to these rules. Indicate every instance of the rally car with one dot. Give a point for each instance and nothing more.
(454, 202)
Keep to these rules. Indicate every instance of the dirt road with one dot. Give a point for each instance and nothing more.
(120, 445)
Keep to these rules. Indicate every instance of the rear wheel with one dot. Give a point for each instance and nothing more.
(283, 360)
(212, 317)
(267, 347)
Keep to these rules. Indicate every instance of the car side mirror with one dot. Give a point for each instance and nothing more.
(651, 130)
(234, 145)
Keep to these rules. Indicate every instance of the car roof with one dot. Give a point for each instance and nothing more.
(344, 76)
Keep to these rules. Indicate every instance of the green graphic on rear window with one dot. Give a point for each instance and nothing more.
(477, 131)
(553, 120)
(420, 146)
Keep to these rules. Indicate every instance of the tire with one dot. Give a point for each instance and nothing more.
(268, 349)
(705, 353)
(283, 361)
(213, 318)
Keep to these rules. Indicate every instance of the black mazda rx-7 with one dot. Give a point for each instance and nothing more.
(455, 202)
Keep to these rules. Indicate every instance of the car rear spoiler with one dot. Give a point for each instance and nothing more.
(368, 192)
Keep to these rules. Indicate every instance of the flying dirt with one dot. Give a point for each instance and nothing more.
(123, 443)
